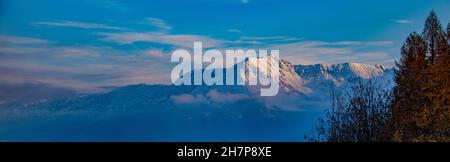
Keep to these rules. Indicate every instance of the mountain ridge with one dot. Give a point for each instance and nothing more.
(144, 112)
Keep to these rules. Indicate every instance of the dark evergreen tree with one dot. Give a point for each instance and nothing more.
(419, 108)
(448, 45)
(448, 34)
(421, 96)
(409, 73)
(435, 37)
(434, 117)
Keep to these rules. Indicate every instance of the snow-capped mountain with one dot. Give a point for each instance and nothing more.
(338, 72)
(308, 79)
(295, 80)
(289, 80)
(190, 113)
(322, 76)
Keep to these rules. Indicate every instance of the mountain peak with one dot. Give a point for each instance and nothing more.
(349, 69)
(289, 79)
(306, 78)
(323, 75)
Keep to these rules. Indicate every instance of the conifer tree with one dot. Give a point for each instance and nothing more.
(448, 38)
(421, 96)
(434, 118)
(419, 106)
(435, 37)
(408, 76)
(448, 33)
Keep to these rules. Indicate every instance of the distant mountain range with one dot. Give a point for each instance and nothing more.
(189, 113)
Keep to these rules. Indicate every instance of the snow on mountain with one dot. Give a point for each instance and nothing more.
(289, 80)
(345, 70)
(318, 78)
(190, 113)
(299, 83)
(322, 76)
(312, 79)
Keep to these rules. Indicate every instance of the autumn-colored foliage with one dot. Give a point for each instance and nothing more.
(419, 108)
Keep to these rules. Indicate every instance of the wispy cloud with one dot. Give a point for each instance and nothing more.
(86, 69)
(188, 99)
(402, 21)
(271, 39)
(212, 96)
(5, 39)
(360, 43)
(294, 49)
(154, 53)
(234, 30)
(158, 23)
(244, 42)
(263, 38)
(313, 52)
(75, 24)
(178, 40)
(219, 97)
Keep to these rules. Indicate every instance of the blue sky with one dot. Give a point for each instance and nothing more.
(91, 45)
